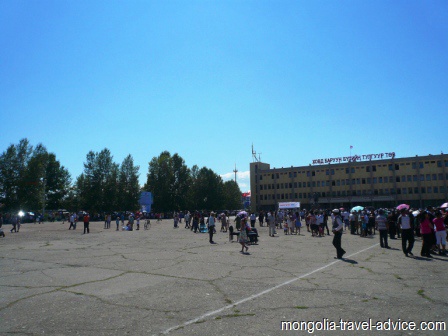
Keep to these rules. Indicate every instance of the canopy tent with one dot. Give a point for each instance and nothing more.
(289, 205)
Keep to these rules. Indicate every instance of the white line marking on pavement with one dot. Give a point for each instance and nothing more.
(254, 296)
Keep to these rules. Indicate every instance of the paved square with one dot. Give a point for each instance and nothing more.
(164, 280)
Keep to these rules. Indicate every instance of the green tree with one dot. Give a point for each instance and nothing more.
(231, 195)
(129, 188)
(168, 179)
(208, 190)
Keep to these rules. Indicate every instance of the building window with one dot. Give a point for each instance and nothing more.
(368, 180)
(347, 170)
(434, 177)
(327, 183)
(397, 178)
(333, 183)
(436, 190)
(429, 190)
(420, 164)
(308, 173)
(295, 195)
(375, 180)
(283, 196)
(410, 190)
(386, 191)
(308, 185)
(439, 163)
(290, 174)
(440, 176)
(442, 189)
(300, 195)
(428, 177)
(358, 181)
(295, 174)
(363, 181)
(273, 176)
(343, 192)
(261, 177)
(374, 168)
(313, 173)
(295, 184)
(381, 191)
(414, 165)
(261, 187)
(422, 177)
(313, 184)
(318, 183)
(327, 172)
(338, 183)
(380, 179)
(414, 177)
(416, 190)
(368, 169)
(391, 166)
(397, 167)
(409, 178)
(423, 190)
(392, 191)
(385, 179)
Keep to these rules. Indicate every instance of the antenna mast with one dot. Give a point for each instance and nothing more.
(235, 171)
(254, 155)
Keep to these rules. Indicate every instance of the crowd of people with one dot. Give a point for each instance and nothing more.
(430, 224)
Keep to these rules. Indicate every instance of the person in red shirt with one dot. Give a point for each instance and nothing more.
(440, 232)
(86, 223)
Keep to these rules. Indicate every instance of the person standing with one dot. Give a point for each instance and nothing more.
(271, 223)
(253, 218)
(407, 232)
(427, 234)
(86, 220)
(345, 217)
(211, 226)
(261, 218)
(381, 223)
(440, 233)
(338, 227)
(223, 222)
(117, 221)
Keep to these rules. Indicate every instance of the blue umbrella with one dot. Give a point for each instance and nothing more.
(357, 208)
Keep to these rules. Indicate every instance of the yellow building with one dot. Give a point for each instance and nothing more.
(418, 181)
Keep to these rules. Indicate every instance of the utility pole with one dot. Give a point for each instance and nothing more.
(235, 171)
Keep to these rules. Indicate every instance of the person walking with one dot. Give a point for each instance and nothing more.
(14, 223)
(382, 223)
(338, 227)
(86, 220)
(407, 232)
(242, 237)
(72, 222)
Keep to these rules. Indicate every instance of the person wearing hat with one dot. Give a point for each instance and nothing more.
(337, 231)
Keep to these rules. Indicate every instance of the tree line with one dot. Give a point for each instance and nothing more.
(31, 178)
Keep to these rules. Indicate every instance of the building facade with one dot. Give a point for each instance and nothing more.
(418, 181)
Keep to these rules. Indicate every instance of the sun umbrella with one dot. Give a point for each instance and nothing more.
(403, 206)
(357, 208)
(416, 212)
(444, 205)
(242, 214)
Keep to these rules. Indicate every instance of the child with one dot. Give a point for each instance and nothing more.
(298, 223)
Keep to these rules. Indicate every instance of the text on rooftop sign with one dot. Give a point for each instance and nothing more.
(355, 158)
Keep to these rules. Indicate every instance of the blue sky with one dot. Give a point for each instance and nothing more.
(300, 80)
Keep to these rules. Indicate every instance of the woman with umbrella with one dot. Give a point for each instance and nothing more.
(242, 237)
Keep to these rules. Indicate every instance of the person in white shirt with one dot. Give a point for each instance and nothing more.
(407, 232)
(337, 231)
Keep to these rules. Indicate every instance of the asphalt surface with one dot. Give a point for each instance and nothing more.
(56, 281)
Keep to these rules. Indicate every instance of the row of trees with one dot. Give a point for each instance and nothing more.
(178, 187)
(31, 178)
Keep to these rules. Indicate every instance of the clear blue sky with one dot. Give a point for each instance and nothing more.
(300, 80)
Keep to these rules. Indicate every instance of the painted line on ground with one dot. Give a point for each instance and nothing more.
(254, 296)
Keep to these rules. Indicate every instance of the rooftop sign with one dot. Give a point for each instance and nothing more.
(355, 158)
